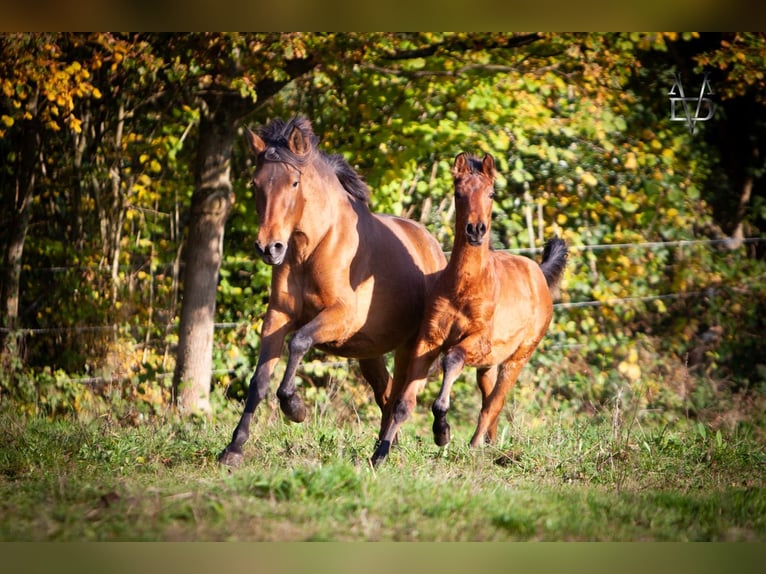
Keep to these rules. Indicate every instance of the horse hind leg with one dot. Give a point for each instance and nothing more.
(486, 379)
(376, 374)
(403, 400)
(494, 401)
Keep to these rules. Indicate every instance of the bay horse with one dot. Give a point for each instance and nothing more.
(486, 309)
(345, 280)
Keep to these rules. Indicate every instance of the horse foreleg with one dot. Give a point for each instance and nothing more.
(289, 401)
(272, 337)
(452, 365)
(490, 409)
(330, 325)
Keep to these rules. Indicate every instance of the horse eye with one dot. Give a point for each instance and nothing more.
(295, 183)
(491, 194)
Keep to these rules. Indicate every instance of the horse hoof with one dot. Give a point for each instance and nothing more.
(441, 434)
(380, 453)
(230, 458)
(293, 408)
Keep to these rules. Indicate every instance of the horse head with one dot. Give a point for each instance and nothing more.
(278, 183)
(474, 190)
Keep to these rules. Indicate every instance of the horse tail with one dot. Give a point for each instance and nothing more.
(554, 262)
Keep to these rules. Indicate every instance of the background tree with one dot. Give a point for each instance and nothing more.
(136, 161)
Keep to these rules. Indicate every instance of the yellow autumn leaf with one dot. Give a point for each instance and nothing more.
(7, 120)
(589, 179)
(631, 370)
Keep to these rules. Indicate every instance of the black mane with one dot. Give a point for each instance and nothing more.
(276, 135)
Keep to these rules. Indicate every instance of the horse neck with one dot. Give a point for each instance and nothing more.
(467, 263)
(327, 209)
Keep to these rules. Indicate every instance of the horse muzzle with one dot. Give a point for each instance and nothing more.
(475, 233)
(273, 253)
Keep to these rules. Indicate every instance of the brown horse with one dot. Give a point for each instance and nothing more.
(486, 309)
(344, 280)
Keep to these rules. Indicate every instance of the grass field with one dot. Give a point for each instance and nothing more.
(618, 475)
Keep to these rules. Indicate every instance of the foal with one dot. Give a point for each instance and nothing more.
(486, 309)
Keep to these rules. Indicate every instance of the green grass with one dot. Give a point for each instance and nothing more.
(630, 477)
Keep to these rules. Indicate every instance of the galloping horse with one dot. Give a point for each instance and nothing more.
(486, 309)
(344, 280)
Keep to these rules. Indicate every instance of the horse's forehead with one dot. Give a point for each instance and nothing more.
(472, 183)
(269, 170)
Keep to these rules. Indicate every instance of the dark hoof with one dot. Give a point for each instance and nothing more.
(293, 408)
(230, 458)
(380, 453)
(441, 434)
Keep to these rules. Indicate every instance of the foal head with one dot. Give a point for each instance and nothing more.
(474, 190)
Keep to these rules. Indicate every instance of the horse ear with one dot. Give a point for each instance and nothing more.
(488, 166)
(298, 142)
(257, 145)
(460, 165)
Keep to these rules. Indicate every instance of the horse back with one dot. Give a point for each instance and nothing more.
(523, 298)
(422, 247)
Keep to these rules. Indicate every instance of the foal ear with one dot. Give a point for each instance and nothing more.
(488, 166)
(257, 145)
(298, 142)
(461, 165)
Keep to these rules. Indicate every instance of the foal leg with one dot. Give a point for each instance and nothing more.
(486, 379)
(452, 365)
(491, 407)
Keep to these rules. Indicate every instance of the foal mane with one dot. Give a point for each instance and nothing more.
(276, 136)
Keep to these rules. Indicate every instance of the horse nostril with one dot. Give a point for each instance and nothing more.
(272, 253)
(478, 230)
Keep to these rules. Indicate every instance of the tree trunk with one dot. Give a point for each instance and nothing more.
(738, 234)
(211, 204)
(13, 243)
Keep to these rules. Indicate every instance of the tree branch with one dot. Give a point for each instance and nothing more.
(455, 44)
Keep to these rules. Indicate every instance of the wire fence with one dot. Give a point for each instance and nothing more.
(617, 301)
(560, 306)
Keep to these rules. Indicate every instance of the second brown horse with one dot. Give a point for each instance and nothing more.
(487, 309)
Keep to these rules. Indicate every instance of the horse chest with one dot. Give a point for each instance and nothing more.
(452, 322)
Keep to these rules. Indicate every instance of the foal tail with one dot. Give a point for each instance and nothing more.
(554, 262)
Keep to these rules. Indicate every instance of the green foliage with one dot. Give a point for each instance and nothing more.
(578, 124)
